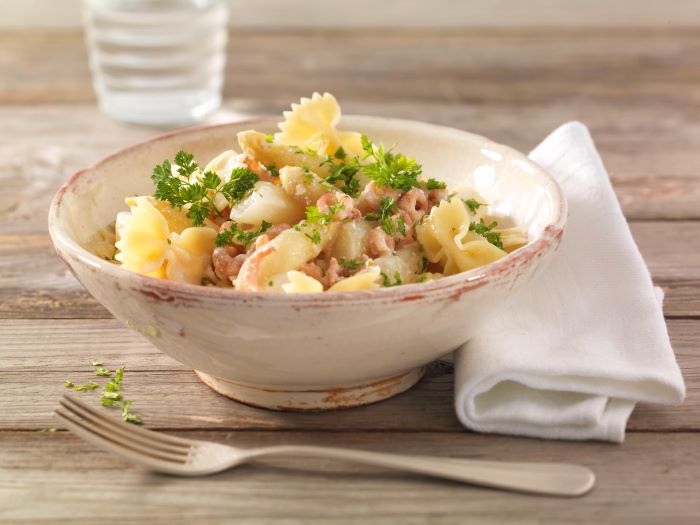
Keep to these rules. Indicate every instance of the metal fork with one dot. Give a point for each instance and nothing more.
(186, 457)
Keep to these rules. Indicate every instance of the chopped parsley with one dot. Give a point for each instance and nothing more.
(315, 237)
(387, 207)
(269, 138)
(486, 231)
(102, 372)
(236, 235)
(111, 397)
(50, 429)
(433, 184)
(422, 278)
(350, 264)
(387, 282)
(198, 195)
(315, 216)
(344, 172)
(473, 204)
(90, 385)
(240, 183)
(272, 168)
(390, 169)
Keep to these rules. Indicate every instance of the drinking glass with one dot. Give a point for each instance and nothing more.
(157, 62)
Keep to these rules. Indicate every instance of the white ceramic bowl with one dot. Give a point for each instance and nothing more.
(311, 351)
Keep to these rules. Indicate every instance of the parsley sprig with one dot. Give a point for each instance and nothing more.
(344, 171)
(394, 170)
(486, 231)
(390, 169)
(237, 235)
(198, 195)
(350, 264)
(389, 222)
(473, 205)
(387, 282)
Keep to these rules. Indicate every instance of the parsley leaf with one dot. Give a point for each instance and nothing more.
(269, 138)
(433, 184)
(473, 204)
(387, 206)
(236, 235)
(315, 237)
(390, 169)
(350, 264)
(102, 372)
(90, 385)
(485, 230)
(387, 282)
(240, 183)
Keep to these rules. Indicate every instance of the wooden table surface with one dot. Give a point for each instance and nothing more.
(638, 91)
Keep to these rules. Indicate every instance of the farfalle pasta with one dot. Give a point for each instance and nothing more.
(310, 209)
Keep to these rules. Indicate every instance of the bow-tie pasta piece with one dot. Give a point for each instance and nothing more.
(312, 124)
(447, 239)
(299, 282)
(364, 280)
(143, 237)
(189, 254)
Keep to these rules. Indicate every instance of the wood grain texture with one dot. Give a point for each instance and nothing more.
(636, 90)
(168, 395)
(305, 491)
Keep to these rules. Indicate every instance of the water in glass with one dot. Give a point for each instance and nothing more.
(157, 62)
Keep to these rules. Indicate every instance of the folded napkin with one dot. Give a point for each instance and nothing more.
(579, 345)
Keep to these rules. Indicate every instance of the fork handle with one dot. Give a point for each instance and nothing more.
(554, 479)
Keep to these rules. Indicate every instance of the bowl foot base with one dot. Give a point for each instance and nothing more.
(314, 400)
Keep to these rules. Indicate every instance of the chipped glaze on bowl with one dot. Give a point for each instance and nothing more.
(311, 351)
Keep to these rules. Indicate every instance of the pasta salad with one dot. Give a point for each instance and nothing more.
(310, 208)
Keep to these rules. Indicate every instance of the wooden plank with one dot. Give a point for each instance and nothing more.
(635, 483)
(168, 395)
(497, 65)
(671, 249)
(19, 14)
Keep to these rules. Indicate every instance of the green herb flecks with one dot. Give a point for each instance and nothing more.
(432, 184)
(473, 205)
(112, 397)
(240, 183)
(393, 170)
(386, 217)
(344, 171)
(315, 237)
(387, 282)
(198, 194)
(350, 264)
(486, 231)
(236, 235)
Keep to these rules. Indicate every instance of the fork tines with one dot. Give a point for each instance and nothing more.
(135, 443)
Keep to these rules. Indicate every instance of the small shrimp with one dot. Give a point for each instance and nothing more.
(348, 210)
(227, 261)
(313, 269)
(437, 195)
(248, 277)
(371, 196)
(379, 243)
(333, 272)
(415, 204)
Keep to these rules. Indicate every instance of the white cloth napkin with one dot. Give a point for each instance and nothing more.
(579, 345)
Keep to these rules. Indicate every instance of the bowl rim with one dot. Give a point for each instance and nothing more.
(162, 289)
